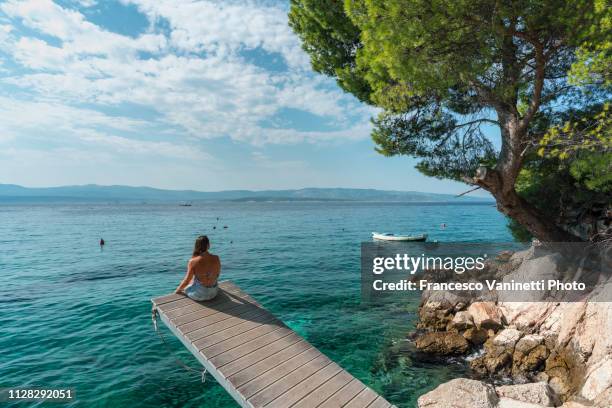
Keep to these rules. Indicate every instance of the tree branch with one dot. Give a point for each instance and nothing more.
(538, 86)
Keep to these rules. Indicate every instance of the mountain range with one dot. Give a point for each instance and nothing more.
(93, 192)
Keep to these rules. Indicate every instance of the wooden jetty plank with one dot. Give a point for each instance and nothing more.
(254, 385)
(241, 328)
(232, 343)
(346, 394)
(268, 394)
(363, 399)
(256, 315)
(250, 347)
(264, 366)
(379, 402)
(306, 387)
(256, 357)
(326, 390)
(259, 355)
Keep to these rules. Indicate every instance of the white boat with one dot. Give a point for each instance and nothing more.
(391, 237)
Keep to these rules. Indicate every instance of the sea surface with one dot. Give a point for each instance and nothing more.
(75, 316)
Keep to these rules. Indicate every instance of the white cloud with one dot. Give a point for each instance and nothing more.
(192, 75)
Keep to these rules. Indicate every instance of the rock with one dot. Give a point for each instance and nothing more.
(598, 380)
(437, 308)
(485, 315)
(528, 343)
(576, 404)
(461, 321)
(460, 393)
(475, 336)
(565, 372)
(530, 362)
(604, 399)
(526, 315)
(512, 403)
(442, 343)
(534, 393)
(507, 338)
(504, 256)
(495, 364)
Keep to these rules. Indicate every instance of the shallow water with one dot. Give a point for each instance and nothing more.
(75, 316)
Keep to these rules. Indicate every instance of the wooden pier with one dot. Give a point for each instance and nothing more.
(256, 358)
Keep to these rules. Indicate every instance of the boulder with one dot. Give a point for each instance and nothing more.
(460, 393)
(525, 315)
(528, 343)
(461, 321)
(507, 338)
(512, 403)
(534, 393)
(533, 361)
(485, 315)
(604, 399)
(476, 336)
(575, 404)
(442, 343)
(598, 380)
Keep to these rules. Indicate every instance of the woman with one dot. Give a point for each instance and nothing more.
(203, 271)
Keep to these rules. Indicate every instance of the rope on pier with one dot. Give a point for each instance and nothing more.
(176, 359)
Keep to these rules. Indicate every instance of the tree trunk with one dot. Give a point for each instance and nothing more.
(500, 183)
(546, 230)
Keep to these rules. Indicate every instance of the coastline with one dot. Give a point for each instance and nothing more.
(523, 354)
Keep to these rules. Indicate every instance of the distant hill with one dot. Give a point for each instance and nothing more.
(92, 192)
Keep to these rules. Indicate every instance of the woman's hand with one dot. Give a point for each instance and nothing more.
(179, 291)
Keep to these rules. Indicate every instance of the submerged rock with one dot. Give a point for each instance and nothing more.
(460, 393)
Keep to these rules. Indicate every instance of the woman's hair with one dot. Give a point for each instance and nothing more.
(201, 245)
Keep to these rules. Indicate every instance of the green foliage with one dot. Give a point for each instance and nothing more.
(582, 139)
(519, 233)
(593, 64)
(332, 41)
(435, 66)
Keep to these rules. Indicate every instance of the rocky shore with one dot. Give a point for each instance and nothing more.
(521, 354)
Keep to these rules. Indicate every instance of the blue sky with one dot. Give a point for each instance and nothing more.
(193, 94)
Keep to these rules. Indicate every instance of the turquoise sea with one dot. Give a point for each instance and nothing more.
(73, 316)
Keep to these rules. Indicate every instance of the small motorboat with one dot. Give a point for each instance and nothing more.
(391, 237)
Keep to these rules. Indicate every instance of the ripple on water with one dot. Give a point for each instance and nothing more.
(72, 315)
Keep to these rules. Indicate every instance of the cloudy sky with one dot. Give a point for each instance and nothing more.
(193, 94)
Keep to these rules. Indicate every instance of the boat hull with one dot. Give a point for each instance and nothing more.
(383, 237)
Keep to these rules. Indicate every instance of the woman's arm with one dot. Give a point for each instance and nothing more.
(186, 280)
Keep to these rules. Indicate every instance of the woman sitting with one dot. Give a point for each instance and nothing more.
(202, 272)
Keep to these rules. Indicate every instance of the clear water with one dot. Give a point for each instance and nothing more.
(74, 316)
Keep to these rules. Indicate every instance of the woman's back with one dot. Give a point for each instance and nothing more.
(206, 268)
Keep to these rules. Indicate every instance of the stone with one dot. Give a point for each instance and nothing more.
(534, 393)
(485, 315)
(512, 403)
(532, 361)
(507, 338)
(575, 404)
(475, 336)
(460, 393)
(525, 315)
(598, 380)
(442, 343)
(461, 321)
(604, 399)
(528, 343)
